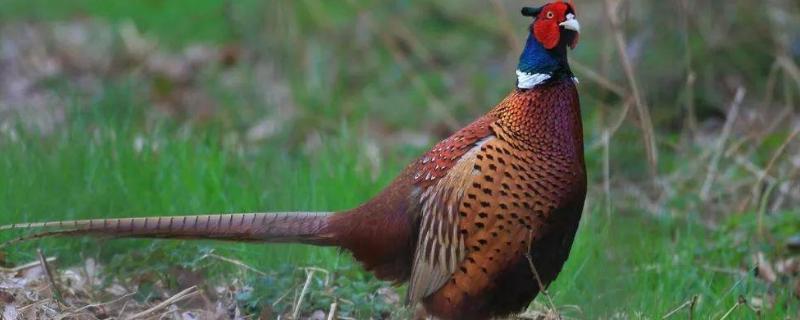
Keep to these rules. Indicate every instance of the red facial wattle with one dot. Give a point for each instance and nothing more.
(547, 33)
(574, 42)
(548, 23)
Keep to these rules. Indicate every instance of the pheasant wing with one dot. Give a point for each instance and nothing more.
(479, 219)
(441, 176)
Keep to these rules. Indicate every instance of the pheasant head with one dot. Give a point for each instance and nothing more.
(555, 28)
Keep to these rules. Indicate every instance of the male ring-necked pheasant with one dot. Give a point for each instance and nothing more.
(459, 223)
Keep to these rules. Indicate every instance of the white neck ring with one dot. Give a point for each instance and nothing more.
(528, 80)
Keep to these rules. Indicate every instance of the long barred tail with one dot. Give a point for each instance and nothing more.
(302, 227)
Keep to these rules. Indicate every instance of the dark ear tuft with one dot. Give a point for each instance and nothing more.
(531, 12)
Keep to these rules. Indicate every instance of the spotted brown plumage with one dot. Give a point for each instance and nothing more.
(461, 224)
(523, 186)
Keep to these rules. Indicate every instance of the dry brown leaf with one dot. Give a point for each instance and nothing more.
(32, 273)
(389, 295)
(764, 269)
(317, 315)
(789, 267)
(6, 297)
(10, 312)
(264, 129)
(117, 290)
(757, 302)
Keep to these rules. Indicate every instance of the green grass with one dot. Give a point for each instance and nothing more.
(342, 79)
(175, 22)
(648, 267)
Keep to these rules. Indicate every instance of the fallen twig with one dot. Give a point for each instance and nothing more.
(26, 266)
(22, 310)
(627, 66)
(286, 294)
(614, 127)
(75, 312)
(740, 301)
(309, 276)
(234, 262)
(53, 287)
(594, 76)
(689, 303)
(607, 172)
(790, 68)
(332, 311)
(713, 166)
(730, 271)
(757, 194)
(691, 75)
(183, 295)
(327, 274)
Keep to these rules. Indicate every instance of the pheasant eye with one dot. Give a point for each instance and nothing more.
(550, 14)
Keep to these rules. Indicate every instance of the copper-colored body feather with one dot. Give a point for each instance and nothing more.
(512, 183)
(458, 224)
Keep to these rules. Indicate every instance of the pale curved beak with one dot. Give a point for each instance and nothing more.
(571, 23)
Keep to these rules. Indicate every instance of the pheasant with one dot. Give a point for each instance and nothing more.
(475, 226)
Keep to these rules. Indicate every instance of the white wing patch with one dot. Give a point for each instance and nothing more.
(440, 246)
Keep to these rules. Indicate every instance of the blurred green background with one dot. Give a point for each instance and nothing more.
(115, 108)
